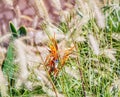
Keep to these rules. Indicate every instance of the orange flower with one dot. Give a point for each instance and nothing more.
(66, 55)
(53, 59)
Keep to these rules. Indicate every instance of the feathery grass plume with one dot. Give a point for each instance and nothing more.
(67, 15)
(98, 14)
(51, 93)
(93, 44)
(3, 81)
(4, 28)
(82, 8)
(57, 4)
(53, 30)
(83, 11)
(72, 72)
(116, 36)
(42, 76)
(110, 53)
(39, 37)
(44, 51)
(35, 22)
(63, 15)
(81, 4)
(72, 21)
(18, 14)
(4, 37)
(42, 10)
(21, 56)
(80, 39)
(9, 2)
(46, 85)
(115, 85)
(3, 84)
(15, 22)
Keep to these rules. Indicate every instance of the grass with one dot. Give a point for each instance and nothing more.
(87, 74)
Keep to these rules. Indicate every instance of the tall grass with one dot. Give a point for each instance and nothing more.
(93, 67)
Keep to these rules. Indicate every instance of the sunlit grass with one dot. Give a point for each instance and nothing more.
(85, 73)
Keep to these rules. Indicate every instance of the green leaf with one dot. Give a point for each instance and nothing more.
(13, 30)
(8, 63)
(22, 31)
(8, 66)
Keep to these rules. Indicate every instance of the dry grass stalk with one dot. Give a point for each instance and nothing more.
(26, 18)
(80, 70)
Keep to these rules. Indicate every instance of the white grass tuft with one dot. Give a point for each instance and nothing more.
(116, 36)
(42, 10)
(3, 38)
(3, 81)
(80, 39)
(21, 56)
(94, 44)
(57, 4)
(73, 72)
(9, 2)
(98, 14)
(110, 53)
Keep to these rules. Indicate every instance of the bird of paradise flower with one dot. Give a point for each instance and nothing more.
(54, 60)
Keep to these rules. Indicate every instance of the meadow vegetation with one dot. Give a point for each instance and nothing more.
(77, 57)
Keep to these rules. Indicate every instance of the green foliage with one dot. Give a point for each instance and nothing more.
(17, 33)
(22, 31)
(23, 92)
(8, 66)
(13, 30)
(98, 75)
(113, 18)
(98, 72)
